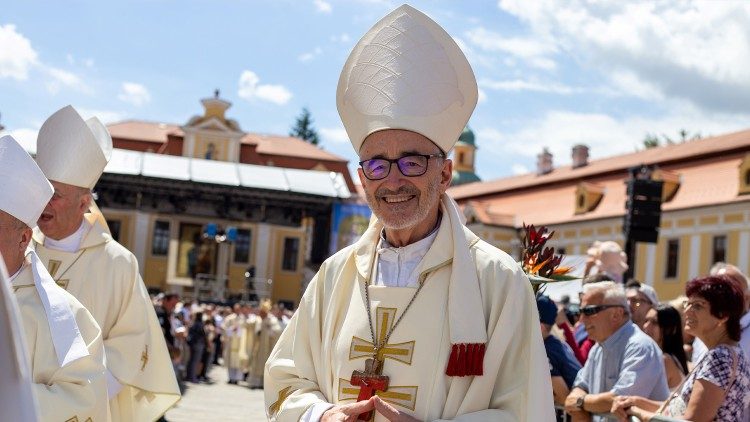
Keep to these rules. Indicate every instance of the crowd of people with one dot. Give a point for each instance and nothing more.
(239, 337)
(621, 352)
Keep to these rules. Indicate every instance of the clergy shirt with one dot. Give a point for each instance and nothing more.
(628, 363)
(70, 243)
(397, 267)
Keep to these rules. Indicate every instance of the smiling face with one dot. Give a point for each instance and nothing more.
(402, 202)
(64, 212)
(698, 318)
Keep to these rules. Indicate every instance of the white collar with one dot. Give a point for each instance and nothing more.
(13, 277)
(416, 250)
(68, 244)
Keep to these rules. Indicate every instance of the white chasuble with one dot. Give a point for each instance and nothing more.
(235, 340)
(104, 277)
(77, 390)
(328, 337)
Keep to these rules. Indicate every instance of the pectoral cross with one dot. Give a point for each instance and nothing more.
(144, 358)
(369, 381)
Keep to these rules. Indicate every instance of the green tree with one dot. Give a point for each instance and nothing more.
(650, 141)
(303, 128)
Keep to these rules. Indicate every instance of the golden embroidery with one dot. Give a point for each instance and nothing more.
(73, 419)
(52, 267)
(402, 352)
(63, 283)
(144, 358)
(283, 395)
(397, 395)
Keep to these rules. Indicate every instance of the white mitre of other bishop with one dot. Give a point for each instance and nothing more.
(24, 191)
(406, 73)
(71, 150)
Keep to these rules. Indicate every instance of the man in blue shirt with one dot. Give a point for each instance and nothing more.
(563, 364)
(624, 361)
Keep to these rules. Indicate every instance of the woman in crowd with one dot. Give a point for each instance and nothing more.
(718, 388)
(664, 325)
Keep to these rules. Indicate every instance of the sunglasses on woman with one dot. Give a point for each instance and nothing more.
(595, 309)
(411, 165)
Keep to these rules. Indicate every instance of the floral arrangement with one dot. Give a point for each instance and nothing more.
(539, 262)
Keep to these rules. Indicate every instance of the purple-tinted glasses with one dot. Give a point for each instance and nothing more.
(409, 165)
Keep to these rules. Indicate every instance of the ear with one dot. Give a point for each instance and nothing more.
(446, 174)
(24, 240)
(84, 202)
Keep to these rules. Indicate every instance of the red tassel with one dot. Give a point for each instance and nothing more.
(466, 359)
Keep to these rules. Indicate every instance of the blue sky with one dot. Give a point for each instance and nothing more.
(551, 74)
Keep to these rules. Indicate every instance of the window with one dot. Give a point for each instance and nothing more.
(242, 247)
(160, 240)
(291, 252)
(673, 253)
(719, 249)
(114, 228)
(747, 178)
(460, 158)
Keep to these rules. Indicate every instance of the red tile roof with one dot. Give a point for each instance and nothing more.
(708, 171)
(139, 130)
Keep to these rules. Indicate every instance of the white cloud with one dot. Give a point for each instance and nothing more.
(604, 134)
(482, 96)
(106, 116)
(336, 135)
(88, 63)
(17, 56)
(697, 51)
(533, 51)
(134, 93)
(59, 78)
(26, 137)
(322, 6)
(249, 89)
(343, 38)
(306, 57)
(519, 169)
(526, 85)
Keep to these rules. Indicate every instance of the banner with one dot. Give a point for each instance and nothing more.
(348, 223)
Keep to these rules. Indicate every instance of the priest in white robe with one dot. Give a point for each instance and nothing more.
(82, 257)
(235, 341)
(62, 341)
(266, 330)
(420, 319)
(16, 396)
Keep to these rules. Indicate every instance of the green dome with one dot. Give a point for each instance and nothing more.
(467, 136)
(463, 177)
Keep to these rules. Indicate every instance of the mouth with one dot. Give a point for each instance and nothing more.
(397, 199)
(45, 217)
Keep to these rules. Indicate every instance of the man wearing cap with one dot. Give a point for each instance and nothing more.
(641, 298)
(420, 319)
(63, 340)
(80, 254)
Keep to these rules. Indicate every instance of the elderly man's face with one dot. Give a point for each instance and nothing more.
(64, 212)
(403, 202)
(14, 237)
(603, 323)
(639, 305)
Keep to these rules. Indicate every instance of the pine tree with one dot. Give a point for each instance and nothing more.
(303, 128)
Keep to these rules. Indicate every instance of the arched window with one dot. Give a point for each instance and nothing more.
(460, 157)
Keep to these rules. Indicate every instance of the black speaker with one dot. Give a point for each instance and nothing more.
(643, 210)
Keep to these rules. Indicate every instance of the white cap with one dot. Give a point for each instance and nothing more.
(24, 191)
(73, 151)
(406, 73)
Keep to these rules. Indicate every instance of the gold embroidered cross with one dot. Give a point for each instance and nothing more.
(53, 266)
(384, 319)
(283, 394)
(144, 358)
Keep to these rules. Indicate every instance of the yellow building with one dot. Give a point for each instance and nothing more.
(215, 213)
(705, 209)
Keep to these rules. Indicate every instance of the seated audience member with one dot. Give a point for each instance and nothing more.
(624, 361)
(664, 325)
(642, 298)
(563, 364)
(718, 388)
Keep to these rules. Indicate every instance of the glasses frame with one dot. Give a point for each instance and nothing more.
(391, 162)
(592, 310)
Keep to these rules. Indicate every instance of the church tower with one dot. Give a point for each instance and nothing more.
(212, 136)
(463, 159)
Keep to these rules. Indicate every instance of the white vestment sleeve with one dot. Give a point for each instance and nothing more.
(291, 380)
(314, 413)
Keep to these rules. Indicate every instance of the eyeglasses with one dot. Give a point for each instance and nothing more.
(595, 309)
(637, 303)
(412, 165)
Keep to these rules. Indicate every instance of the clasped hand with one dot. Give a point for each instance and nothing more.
(350, 412)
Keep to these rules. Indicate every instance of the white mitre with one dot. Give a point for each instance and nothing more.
(406, 73)
(24, 191)
(73, 151)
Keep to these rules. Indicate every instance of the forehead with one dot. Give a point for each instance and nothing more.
(64, 188)
(395, 142)
(593, 297)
